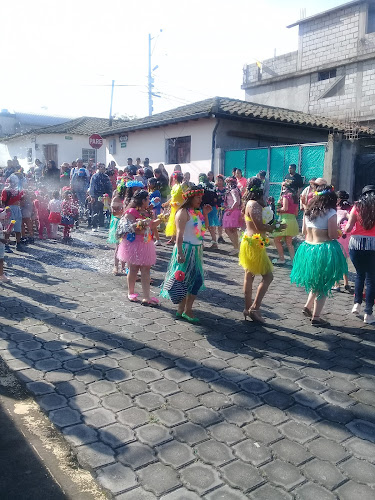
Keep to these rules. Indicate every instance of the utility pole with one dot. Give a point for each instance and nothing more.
(150, 78)
(110, 109)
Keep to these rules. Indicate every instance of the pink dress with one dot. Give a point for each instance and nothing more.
(233, 218)
(137, 249)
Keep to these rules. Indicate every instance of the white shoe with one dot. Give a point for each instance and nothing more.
(369, 319)
(157, 243)
(94, 229)
(356, 309)
(5, 279)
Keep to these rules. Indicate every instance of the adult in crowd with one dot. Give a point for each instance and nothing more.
(210, 198)
(308, 193)
(241, 181)
(186, 182)
(232, 219)
(319, 262)
(100, 185)
(262, 175)
(79, 182)
(91, 166)
(10, 169)
(296, 180)
(362, 250)
(51, 176)
(148, 169)
(11, 197)
(64, 175)
(162, 184)
(38, 170)
(76, 165)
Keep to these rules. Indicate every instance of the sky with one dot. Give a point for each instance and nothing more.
(60, 57)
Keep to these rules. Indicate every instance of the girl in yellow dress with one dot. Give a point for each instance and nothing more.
(175, 202)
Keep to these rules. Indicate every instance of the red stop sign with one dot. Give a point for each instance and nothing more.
(96, 141)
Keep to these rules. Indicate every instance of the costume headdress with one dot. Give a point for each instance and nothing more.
(190, 193)
(133, 184)
(329, 189)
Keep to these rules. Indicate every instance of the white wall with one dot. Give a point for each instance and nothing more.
(151, 143)
(67, 150)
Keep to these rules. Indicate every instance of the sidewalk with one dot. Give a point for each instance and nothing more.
(158, 408)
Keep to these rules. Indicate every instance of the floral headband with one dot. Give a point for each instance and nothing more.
(193, 192)
(255, 189)
(328, 190)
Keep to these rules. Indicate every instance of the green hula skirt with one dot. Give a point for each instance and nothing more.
(112, 230)
(192, 267)
(291, 229)
(318, 267)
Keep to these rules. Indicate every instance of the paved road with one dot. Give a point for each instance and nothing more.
(162, 409)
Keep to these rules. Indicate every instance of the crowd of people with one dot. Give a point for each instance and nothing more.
(137, 203)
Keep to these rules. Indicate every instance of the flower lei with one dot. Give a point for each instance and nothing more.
(257, 239)
(195, 214)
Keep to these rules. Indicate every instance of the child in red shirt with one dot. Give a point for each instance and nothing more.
(41, 208)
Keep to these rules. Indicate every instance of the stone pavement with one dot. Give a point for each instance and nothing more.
(158, 408)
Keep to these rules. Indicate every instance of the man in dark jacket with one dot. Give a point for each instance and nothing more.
(100, 185)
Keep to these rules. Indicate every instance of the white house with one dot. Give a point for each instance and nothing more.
(62, 143)
(199, 136)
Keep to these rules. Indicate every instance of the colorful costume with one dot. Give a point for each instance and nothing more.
(135, 249)
(176, 202)
(288, 218)
(317, 267)
(193, 250)
(253, 256)
(232, 215)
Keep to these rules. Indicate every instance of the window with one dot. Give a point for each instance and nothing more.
(87, 154)
(326, 75)
(370, 28)
(178, 150)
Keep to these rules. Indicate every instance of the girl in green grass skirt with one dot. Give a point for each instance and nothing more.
(319, 261)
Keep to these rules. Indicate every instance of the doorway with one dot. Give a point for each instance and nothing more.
(50, 153)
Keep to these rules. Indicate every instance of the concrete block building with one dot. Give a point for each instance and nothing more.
(333, 71)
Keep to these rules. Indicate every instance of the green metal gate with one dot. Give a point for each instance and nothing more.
(275, 160)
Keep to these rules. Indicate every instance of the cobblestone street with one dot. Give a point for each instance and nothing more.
(161, 409)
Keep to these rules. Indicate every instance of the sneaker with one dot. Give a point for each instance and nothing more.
(94, 229)
(349, 289)
(336, 289)
(8, 249)
(356, 309)
(221, 240)
(213, 246)
(30, 241)
(5, 279)
(369, 319)
(157, 243)
(20, 247)
(24, 241)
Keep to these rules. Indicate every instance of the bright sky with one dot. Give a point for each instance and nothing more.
(59, 57)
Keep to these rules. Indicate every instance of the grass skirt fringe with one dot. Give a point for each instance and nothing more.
(170, 229)
(213, 219)
(253, 257)
(112, 230)
(137, 252)
(192, 267)
(291, 229)
(318, 267)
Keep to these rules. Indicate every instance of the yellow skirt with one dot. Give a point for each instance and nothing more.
(253, 257)
(291, 229)
(170, 229)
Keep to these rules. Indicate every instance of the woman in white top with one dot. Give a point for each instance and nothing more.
(184, 277)
(319, 261)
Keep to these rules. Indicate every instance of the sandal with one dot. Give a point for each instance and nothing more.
(153, 302)
(278, 262)
(306, 312)
(317, 321)
(190, 319)
(133, 297)
(246, 314)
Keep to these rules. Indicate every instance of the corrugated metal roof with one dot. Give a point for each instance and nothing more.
(231, 108)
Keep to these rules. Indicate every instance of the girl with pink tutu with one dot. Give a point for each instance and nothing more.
(343, 211)
(137, 248)
(232, 218)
